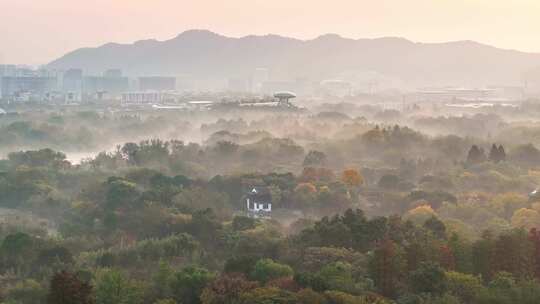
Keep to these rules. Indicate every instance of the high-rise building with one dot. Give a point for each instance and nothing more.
(113, 86)
(34, 87)
(8, 70)
(72, 85)
(73, 80)
(157, 83)
(112, 73)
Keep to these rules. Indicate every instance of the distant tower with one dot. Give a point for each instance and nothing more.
(284, 97)
(72, 84)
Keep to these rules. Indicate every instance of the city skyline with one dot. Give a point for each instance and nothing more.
(36, 32)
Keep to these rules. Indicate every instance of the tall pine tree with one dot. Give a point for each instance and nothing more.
(476, 155)
(502, 153)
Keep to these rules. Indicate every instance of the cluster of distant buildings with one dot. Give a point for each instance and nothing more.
(494, 94)
(74, 86)
(23, 84)
(20, 84)
(260, 82)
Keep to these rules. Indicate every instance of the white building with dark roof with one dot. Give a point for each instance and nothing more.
(258, 202)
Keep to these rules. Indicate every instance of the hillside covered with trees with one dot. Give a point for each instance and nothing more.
(364, 210)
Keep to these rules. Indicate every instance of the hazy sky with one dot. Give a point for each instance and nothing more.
(37, 31)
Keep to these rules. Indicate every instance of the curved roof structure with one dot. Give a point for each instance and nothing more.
(2, 111)
(284, 94)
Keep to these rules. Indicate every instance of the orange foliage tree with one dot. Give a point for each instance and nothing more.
(352, 178)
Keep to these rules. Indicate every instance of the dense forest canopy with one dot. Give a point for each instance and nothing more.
(369, 205)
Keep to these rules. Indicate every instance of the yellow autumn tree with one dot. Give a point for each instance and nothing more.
(526, 218)
(505, 204)
(420, 214)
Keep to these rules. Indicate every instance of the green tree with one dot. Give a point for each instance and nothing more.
(339, 297)
(16, 250)
(240, 264)
(338, 276)
(266, 270)
(311, 280)
(476, 155)
(188, 284)
(497, 154)
(53, 255)
(268, 295)
(428, 278)
(461, 251)
(162, 281)
(243, 223)
(28, 292)
(165, 301)
(39, 158)
(436, 226)
(481, 256)
(465, 287)
(113, 287)
(205, 226)
(502, 153)
(120, 193)
(502, 289)
(315, 258)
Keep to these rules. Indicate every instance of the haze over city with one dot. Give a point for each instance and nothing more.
(37, 32)
(269, 152)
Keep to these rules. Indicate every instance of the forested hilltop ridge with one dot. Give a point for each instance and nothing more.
(198, 53)
(368, 205)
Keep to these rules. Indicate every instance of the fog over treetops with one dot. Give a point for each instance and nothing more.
(207, 169)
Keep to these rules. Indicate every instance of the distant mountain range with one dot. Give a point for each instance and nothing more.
(206, 56)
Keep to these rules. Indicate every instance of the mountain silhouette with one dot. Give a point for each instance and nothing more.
(207, 56)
